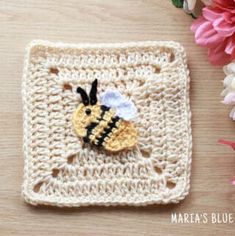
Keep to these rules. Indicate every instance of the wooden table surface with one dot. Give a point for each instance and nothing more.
(112, 21)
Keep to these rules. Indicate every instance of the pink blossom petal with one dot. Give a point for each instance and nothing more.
(206, 35)
(223, 28)
(211, 14)
(224, 3)
(229, 98)
(232, 19)
(216, 31)
(233, 181)
(227, 142)
(217, 56)
(196, 23)
(230, 47)
(228, 16)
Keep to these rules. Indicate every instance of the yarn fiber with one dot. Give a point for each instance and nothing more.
(60, 170)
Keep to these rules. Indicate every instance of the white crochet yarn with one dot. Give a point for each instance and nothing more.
(60, 171)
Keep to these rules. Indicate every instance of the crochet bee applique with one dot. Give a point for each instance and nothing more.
(106, 123)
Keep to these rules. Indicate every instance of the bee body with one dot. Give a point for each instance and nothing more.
(99, 125)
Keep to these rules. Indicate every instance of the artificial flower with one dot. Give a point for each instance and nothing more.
(233, 182)
(232, 114)
(229, 80)
(229, 87)
(192, 7)
(227, 143)
(229, 99)
(215, 29)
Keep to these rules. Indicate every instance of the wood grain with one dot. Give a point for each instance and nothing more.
(112, 21)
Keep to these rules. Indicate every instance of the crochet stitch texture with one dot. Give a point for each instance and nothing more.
(60, 170)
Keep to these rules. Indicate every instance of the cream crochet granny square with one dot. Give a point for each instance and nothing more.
(60, 170)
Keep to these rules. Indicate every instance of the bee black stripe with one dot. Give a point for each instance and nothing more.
(92, 126)
(108, 130)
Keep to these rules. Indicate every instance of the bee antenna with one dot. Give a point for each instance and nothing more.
(93, 92)
(85, 98)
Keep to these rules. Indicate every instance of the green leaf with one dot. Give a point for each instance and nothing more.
(178, 3)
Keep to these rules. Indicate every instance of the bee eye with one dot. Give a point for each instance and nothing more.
(88, 111)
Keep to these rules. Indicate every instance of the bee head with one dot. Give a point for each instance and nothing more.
(88, 111)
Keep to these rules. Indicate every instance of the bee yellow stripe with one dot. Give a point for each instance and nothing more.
(101, 125)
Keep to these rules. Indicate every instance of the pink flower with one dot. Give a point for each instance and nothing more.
(233, 181)
(215, 29)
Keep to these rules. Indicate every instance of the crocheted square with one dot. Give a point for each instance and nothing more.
(60, 170)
